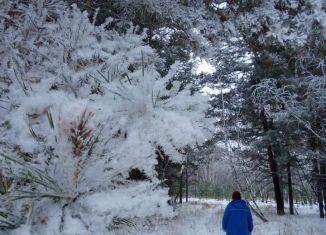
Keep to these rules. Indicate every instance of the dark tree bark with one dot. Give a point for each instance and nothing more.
(288, 167)
(320, 202)
(168, 171)
(276, 181)
(315, 144)
(316, 178)
(180, 188)
(323, 181)
(187, 185)
(273, 167)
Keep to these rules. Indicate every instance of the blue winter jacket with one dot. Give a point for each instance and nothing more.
(237, 218)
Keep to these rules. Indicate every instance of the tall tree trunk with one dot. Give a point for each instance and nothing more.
(315, 145)
(319, 192)
(276, 181)
(323, 181)
(273, 166)
(187, 185)
(320, 202)
(180, 188)
(288, 167)
(324, 193)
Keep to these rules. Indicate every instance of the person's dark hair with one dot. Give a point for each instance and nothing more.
(236, 195)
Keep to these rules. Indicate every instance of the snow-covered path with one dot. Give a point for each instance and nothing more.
(199, 219)
(204, 218)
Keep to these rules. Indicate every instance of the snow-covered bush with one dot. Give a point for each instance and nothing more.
(81, 106)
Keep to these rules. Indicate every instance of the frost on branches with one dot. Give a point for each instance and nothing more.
(81, 106)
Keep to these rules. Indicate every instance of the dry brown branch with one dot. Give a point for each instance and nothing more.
(80, 134)
(3, 183)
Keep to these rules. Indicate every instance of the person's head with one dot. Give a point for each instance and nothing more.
(236, 195)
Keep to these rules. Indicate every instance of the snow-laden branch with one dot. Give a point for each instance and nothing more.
(282, 102)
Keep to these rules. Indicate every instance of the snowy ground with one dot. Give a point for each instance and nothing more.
(203, 217)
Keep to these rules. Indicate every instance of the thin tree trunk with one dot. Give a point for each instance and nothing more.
(320, 203)
(180, 188)
(324, 193)
(276, 181)
(256, 210)
(259, 215)
(323, 181)
(319, 192)
(288, 167)
(187, 185)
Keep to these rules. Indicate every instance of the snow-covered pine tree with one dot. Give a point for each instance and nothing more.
(287, 42)
(81, 107)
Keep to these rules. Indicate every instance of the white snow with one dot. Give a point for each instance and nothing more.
(197, 217)
(202, 66)
(204, 216)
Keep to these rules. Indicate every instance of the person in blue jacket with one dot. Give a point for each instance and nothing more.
(237, 218)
